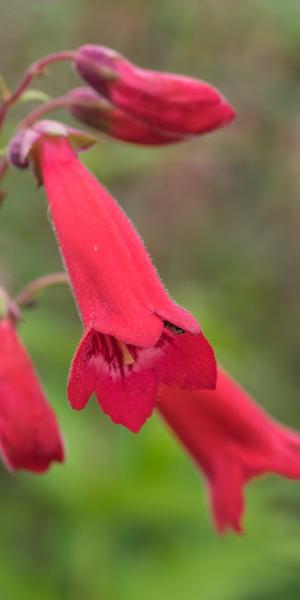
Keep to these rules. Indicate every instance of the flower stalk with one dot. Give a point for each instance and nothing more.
(44, 109)
(4, 165)
(27, 296)
(37, 69)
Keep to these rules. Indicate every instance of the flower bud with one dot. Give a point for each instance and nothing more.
(94, 110)
(173, 104)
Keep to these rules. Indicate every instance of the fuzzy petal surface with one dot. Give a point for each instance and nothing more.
(116, 287)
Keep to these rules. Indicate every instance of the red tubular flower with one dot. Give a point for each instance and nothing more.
(232, 440)
(170, 103)
(29, 434)
(92, 109)
(132, 327)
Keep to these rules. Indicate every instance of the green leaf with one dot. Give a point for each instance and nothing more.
(30, 95)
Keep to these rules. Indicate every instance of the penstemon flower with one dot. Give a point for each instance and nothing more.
(232, 440)
(135, 336)
(170, 103)
(139, 349)
(29, 434)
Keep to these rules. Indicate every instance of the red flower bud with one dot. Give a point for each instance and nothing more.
(97, 112)
(29, 434)
(232, 440)
(174, 104)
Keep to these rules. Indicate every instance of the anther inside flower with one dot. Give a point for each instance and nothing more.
(132, 327)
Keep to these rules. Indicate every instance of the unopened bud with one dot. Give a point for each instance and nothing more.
(92, 109)
(173, 104)
(97, 65)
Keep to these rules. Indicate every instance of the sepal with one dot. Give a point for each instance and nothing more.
(22, 146)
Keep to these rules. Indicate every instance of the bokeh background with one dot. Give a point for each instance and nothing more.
(126, 518)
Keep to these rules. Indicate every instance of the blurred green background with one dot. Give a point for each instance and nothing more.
(126, 517)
